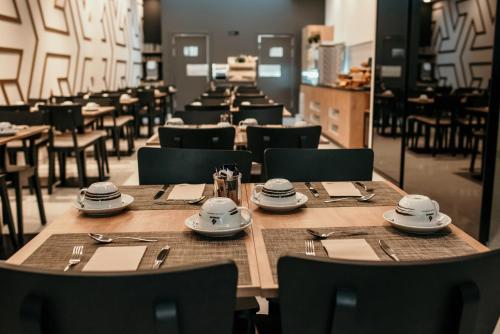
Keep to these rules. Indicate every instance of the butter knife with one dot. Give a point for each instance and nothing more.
(312, 189)
(161, 192)
(160, 258)
(388, 250)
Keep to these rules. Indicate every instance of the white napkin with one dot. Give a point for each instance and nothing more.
(125, 258)
(186, 192)
(349, 249)
(341, 189)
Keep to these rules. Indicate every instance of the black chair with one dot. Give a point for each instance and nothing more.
(149, 109)
(217, 138)
(27, 173)
(67, 137)
(261, 138)
(190, 107)
(315, 165)
(7, 218)
(173, 166)
(248, 90)
(457, 295)
(200, 117)
(272, 114)
(252, 98)
(188, 300)
(213, 101)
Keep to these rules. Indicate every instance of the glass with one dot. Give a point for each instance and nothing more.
(228, 188)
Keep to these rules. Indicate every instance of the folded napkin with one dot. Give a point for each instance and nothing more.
(116, 259)
(341, 189)
(349, 249)
(186, 192)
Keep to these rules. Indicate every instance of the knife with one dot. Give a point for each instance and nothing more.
(311, 189)
(388, 250)
(161, 192)
(160, 258)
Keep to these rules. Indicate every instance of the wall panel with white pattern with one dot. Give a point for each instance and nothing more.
(462, 38)
(65, 46)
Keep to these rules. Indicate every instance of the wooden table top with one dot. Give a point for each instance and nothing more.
(262, 282)
(482, 110)
(24, 133)
(418, 100)
(102, 111)
(126, 102)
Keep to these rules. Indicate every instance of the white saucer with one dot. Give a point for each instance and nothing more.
(301, 200)
(126, 201)
(192, 224)
(443, 220)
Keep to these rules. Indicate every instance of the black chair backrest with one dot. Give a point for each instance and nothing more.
(173, 166)
(200, 117)
(15, 108)
(164, 301)
(210, 101)
(146, 98)
(61, 99)
(261, 138)
(64, 117)
(32, 101)
(217, 138)
(248, 90)
(21, 115)
(315, 165)
(190, 107)
(458, 295)
(257, 99)
(272, 114)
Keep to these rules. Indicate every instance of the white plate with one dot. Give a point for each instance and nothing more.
(301, 200)
(192, 224)
(126, 201)
(442, 218)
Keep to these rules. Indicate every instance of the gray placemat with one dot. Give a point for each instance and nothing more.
(143, 198)
(408, 247)
(385, 195)
(187, 248)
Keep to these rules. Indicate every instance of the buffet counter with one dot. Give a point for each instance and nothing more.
(342, 112)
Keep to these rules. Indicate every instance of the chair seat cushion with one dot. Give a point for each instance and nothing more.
(83, 139)
(120, 121)
(18, 144)
(432, 120)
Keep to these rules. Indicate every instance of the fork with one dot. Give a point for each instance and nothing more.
(75, 257)
(310, 248)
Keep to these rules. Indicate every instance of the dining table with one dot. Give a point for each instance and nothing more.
(255, 250)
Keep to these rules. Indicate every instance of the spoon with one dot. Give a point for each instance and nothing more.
(105, 240)
(365, 198)
(320, 235)
(192, 201)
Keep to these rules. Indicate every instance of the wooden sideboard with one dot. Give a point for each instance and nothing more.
(341, 113)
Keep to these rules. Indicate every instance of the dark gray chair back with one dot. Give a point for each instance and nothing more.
(271, 114)
(218, 107)
(316, 165)
(173, 166)
(201, 116)
(217, 138)
(164, 301)
(261, 138)
(457, 295)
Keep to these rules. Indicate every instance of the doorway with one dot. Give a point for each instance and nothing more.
(190, 54)
(276, 63)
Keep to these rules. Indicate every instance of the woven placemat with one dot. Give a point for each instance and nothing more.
(143, 198)
(385, 195)
(408, 247)
(187, 248)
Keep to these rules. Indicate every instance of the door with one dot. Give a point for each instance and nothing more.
(276, 64)
(190, 55)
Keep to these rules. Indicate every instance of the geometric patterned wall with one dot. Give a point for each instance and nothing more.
(66, 46)
(463, 32)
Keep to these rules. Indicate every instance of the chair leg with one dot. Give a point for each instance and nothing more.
(51, 171)
(99, 160)
(105, 154)
(7, 212)
(19, 208)
(39, 198)
(475, 149)
(116, 138)
(79, 165)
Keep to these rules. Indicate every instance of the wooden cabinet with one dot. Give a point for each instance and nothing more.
(340, 112)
